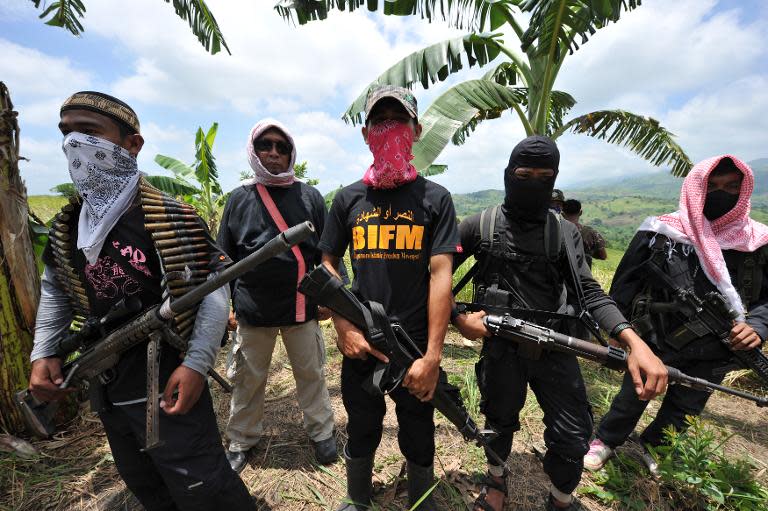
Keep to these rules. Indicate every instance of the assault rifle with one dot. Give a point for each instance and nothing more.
(391, 339)
(710, 315)
(100, 355)
(523, 332)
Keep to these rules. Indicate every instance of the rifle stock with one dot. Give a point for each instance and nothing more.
(519, 331)
(103, 354)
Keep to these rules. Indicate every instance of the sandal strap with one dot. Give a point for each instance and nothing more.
(481, 502)
(490, 482)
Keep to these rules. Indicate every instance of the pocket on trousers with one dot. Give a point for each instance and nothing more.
(235, 366)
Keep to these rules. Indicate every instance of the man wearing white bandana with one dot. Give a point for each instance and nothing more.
(401, 233)
(265, 300)
(115, 258)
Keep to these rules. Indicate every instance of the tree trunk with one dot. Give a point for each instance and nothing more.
(19, 278)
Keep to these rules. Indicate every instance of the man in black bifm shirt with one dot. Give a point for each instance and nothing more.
(523, 266)
(401, 232)
(265, 300)
(709, 245)
(111, 256)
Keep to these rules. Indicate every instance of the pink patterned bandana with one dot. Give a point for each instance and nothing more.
(732, 231)
(391, 143)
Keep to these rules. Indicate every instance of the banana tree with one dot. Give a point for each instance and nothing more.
(19, 277)
(522, 83)
(206, 194)
(68, 13)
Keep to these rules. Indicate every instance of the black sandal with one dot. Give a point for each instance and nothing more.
(490, 483)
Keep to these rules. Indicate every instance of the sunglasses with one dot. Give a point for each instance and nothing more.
(264, 146)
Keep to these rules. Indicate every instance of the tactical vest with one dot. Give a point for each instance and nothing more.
(181, 240)
(494, 290)
(653, 326)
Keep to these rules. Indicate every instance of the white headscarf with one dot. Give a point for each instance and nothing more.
(106, 176)
(261, 174)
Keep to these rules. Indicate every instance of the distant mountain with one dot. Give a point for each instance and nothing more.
(616, 206)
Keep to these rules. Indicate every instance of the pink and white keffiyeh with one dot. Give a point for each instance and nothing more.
(391, 143)
(732, 231)
(260, 173)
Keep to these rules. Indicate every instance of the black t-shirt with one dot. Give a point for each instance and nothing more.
(266, 296)
(128, 265)
(391, 236)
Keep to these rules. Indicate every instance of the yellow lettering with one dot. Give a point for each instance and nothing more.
(373, 232)
(358, 237)
(409, 237)
(386, 234)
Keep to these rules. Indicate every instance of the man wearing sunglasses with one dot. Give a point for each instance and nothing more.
(265, 300)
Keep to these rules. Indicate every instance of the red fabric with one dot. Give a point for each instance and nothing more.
(732, 231)
(266, 198)
(391, 143)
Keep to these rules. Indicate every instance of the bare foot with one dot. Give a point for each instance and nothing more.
(493, 497)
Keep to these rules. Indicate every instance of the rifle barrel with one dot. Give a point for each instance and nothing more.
(276, 245)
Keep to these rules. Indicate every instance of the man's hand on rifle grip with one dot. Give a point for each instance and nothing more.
(744, 337)
(190, 385)
(45, 378)
(421, 379)
(471, 325)
(351, 341)
(642, 362)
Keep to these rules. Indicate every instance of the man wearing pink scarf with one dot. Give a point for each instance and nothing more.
(400, 230)
(709, 244)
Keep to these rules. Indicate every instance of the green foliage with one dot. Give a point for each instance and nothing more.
(431, 64)
(198, 182)
(300, 169)
(694, 469)
(64, 13)
(555, 30)
(694, 474)
(643, 135)
(68, 13)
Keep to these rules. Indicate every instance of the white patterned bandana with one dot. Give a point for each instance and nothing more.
(106, 176)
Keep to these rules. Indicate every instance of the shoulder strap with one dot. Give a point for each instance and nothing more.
(584, 316)
(488, 225)
(274, 212)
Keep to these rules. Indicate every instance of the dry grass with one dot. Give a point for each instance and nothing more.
(76, 470)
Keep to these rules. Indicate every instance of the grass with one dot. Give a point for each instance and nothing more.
(76, 470)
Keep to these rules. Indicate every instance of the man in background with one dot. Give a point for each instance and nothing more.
(594, 243)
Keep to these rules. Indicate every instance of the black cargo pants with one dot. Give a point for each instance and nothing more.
(503, 378)
(188, 472)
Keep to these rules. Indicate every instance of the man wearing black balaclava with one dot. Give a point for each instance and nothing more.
(523, 264)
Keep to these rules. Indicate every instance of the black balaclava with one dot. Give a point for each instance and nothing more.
(528, 199)
(720, 202)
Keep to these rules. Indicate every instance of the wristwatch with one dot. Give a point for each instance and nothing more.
(620, 328)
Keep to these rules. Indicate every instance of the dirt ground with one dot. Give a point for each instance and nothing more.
(75, 470)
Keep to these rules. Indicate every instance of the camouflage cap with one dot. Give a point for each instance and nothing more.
(404, 96)
(557, 195)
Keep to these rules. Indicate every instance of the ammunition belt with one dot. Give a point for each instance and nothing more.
(182, 246)
(63, 248)
(181, 242)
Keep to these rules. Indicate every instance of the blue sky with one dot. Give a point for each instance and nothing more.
(698, 66)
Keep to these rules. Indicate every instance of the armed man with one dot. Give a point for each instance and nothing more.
(111, 247)
(694, 284)
(401, 233)
(528, 259)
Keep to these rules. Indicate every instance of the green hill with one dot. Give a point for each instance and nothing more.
(616, 206)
